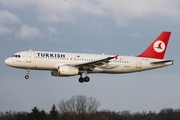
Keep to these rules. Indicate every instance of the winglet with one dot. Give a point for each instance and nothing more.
(116, 57)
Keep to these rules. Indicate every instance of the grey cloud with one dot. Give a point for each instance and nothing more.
(27, 32)
(51, 30)
(66, 10)
(7, 17)
(122, 11)
(4, 30)
(17, 3)
(54, 17)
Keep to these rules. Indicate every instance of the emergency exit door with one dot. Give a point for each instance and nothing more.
(29, 57)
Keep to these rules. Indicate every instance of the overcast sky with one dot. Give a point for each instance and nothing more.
(123, 27)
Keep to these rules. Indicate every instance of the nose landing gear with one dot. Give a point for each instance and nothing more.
(27, 74)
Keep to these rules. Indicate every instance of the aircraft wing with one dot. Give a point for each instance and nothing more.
(91, 65)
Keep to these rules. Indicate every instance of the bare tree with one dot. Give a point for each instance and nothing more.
(79, 104)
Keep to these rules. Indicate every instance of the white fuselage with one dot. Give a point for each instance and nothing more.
(40, 60)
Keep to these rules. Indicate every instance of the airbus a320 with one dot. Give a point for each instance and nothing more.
(62, 64)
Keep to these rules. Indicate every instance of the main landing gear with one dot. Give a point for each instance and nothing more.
(27, 74)
(85, 79)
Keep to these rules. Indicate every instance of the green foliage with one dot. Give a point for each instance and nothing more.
(36, 114)
(53, 113)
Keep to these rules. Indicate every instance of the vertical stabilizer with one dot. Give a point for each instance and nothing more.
(158, 48)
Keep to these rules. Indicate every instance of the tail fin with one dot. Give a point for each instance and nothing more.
(158, 48)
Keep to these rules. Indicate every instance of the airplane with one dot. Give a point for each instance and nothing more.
(62, 64)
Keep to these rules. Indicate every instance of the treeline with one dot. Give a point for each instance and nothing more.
(84, 108)
(36, 114)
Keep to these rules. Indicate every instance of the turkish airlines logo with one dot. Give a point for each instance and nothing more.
(159, 46)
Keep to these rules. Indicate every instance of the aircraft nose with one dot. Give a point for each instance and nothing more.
(7, 61)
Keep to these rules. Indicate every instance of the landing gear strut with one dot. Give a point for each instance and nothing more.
(85, 79)
(27, 74)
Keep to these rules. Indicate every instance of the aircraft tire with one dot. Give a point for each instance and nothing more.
(86, 79)
(27, 77)
(81, 80)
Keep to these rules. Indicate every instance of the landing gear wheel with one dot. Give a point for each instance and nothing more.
(86, 79)
(27, 76)
(81, 80)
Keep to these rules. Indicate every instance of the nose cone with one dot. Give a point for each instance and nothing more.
(7, 61)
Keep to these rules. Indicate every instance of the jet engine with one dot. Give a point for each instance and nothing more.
(67, 70)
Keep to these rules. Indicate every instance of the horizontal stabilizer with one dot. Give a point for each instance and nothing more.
(162, 62)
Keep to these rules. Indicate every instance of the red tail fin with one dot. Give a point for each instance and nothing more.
(158, 48)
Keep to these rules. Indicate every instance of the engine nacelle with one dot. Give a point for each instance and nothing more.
(67, 70)
(55, 73)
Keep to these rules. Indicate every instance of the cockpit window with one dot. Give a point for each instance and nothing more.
(17, 56)
(13, 55)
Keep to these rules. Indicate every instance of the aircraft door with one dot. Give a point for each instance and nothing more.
(138, 63)
(29, 57)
